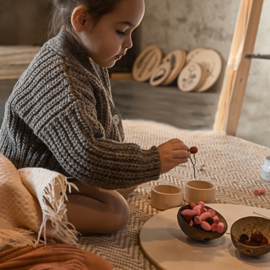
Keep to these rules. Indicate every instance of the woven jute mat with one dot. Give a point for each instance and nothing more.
(233, 164)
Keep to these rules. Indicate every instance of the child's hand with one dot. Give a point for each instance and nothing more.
(171, 154)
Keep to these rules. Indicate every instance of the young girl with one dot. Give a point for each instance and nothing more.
(61, 115)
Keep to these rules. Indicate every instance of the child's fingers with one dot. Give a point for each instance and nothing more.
(180, 161)
(175, 141)
(180, 146)
(180, 154)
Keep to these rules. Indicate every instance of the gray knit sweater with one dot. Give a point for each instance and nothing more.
(61, 116)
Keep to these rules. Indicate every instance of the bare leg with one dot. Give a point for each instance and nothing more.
(95, 210)
(126, 191)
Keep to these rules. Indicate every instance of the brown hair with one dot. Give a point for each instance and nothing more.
(62, 11)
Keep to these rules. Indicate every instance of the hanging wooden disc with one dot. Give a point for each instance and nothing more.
(146, 63)
(192, 77)
(192, 53)
(177, 59)
(160, 74)
(213, 63)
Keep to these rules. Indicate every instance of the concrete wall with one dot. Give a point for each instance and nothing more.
(188, 24)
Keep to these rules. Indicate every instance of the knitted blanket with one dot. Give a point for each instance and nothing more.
(32, 207)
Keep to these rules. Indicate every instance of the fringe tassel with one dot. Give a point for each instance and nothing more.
(54, 210)
(15, 238)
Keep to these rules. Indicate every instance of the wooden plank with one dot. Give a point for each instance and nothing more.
(165, 104)
(121, 76)
(233, 91)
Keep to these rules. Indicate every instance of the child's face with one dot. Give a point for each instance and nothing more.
(110, 38)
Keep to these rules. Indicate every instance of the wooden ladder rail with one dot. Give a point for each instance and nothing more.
(236, 76)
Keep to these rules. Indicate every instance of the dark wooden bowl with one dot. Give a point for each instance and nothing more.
(248, 225)
(199, 234)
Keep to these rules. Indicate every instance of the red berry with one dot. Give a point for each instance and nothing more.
(256, 237)
(264, 241)
(193, 150)
(187, 218)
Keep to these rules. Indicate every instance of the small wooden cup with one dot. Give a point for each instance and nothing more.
(245, 226)
(198, 190)
(166, 196)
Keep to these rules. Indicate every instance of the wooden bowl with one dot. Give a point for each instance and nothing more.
(198, 234)
(249, 225)
(166, 196)
(198, 190)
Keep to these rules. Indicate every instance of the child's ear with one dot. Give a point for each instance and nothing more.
(79, 17)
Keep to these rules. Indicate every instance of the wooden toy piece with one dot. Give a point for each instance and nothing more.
(192, 205)
(202, 217)
(214, 227)
(160, 74)
(206, 226)
(212, 212)
(189, 212)
(166, 196)
(197, 208)
(212, 61)
(193, 53)
(146, 63)
(203, 210)
(216, 219)
(192, 77)
(199, 190)
(177, 59)
(259, 191)
(220, 227)
(200, 202)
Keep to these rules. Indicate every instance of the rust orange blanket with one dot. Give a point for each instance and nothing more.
(53, 256)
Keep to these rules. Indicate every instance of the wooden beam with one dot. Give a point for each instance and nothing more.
(236, 76)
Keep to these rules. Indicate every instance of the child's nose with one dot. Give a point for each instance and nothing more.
(128, 43)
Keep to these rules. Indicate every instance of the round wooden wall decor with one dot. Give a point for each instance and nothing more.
(192, 53)
(160, 74)
(213, 63)
(146, 63)
(177, 59)
(192, 77)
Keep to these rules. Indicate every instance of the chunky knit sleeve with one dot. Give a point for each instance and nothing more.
(78, 142)
(61, 116)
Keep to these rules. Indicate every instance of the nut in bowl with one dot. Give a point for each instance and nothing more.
(250, 235)
(200, 222)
